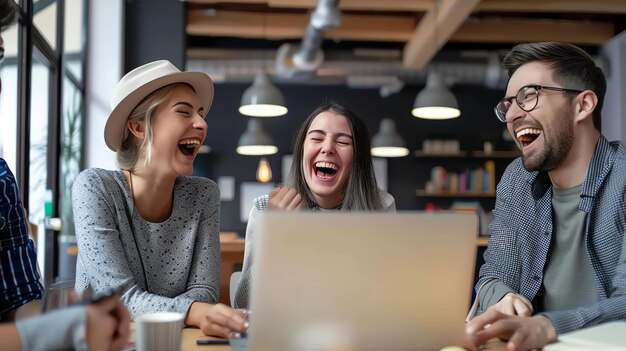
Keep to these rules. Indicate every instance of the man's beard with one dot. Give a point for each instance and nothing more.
(554, 151)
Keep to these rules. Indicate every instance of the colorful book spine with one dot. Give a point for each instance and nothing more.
(490, 175)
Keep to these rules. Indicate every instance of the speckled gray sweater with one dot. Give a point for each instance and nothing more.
(160, 266)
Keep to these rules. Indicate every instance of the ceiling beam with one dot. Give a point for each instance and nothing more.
(544, 6)
(434, 30)
(245, 24)
(281, 26)
(399, 28)
(360, 5)
(517, 30)
(363, 5)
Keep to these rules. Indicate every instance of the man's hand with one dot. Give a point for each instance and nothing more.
(107, 324)
(514, 304)
(522, 333)
(220, 320)
(286, 199)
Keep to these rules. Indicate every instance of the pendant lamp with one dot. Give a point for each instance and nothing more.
(387, 142)
(262, 98)
(255, 141)
(435, 101)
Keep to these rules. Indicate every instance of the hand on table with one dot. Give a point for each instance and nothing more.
(522, 333)
(222, 321)
(107, 324)
(514, 304)
(286, 199)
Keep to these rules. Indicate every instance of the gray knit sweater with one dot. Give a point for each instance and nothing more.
(160, 266)
(242, 292)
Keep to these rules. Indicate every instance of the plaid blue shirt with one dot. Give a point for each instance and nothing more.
(18, 263)
(522, 229)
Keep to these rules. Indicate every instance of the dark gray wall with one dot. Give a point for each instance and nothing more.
(154, 30)
(476, 125)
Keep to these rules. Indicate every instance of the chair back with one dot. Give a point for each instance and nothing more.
(58, 295)
(234, 281)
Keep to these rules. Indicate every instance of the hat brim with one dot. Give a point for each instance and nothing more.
(116, 123)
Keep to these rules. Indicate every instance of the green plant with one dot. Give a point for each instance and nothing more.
(71, 155)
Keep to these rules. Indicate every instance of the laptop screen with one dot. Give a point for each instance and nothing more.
(364, 281)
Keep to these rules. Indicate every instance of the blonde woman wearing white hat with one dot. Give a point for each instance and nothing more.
(151, 229)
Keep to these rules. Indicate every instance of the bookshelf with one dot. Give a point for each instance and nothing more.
(495, 154)
(463, 174)
(469, 154)
(424, 193)
(464, 178)
(482, 241)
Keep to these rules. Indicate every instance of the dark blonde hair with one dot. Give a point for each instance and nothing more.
(130, 151)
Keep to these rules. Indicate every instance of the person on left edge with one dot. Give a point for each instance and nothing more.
(98, 326)
(151, 229)
(18, 262)
(19, 277)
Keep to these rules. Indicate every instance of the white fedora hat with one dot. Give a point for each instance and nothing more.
(141, 82)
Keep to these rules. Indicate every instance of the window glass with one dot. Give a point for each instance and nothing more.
(46, 21)
(71, 154)
(73, 37)
(8, 99)
(39, 112)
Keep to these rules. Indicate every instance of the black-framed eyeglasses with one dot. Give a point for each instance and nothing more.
(526, 98)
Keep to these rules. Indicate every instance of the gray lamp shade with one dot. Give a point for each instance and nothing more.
(387, 142)
(435, 101)
(255, 141)
(262, 98)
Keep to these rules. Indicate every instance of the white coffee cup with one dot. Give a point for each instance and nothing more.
(159, 331)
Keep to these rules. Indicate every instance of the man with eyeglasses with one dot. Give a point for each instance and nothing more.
(103, 325)
(556, 259)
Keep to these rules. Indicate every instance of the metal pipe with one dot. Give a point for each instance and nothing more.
(325, 16)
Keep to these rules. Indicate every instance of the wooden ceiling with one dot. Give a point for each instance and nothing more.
(419, 27)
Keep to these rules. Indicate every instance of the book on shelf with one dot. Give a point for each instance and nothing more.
(473, 207)
(481, 180)
(490, 177)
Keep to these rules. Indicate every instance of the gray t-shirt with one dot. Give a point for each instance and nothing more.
(568, 279)
(160, 266)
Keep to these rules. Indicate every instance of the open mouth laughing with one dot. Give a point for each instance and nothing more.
(189, 147)
(527, 136)
(325, 170)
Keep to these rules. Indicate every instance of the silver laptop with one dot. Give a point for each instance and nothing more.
(355, 281)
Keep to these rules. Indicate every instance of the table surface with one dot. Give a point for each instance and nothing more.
(191, 335)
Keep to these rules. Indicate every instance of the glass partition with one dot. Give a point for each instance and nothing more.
(46, 21)
(38, 156)
(71, 150)
(8, 98)
(73, 43)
